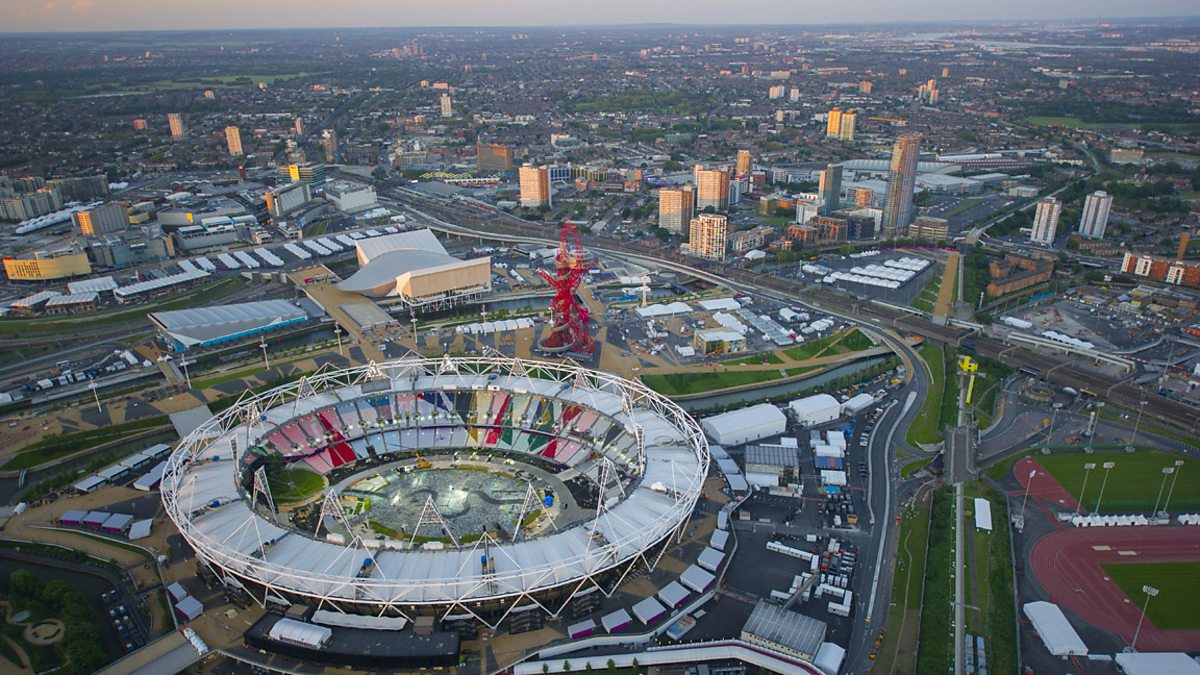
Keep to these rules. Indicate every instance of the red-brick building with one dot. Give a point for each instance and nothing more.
(1165, 270)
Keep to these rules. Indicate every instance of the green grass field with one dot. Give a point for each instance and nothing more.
(680, 384)
(1076, 123)
(935, 653)
(293, 485)
(767, 358)
(1133, 484)
(1179, 594)
(924, 428)
(54, 447)
(906, 591)
(841, 342)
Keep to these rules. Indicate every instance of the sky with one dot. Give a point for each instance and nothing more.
(110, 15)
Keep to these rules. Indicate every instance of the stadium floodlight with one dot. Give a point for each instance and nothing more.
(1087, 470)
(262, 344)
(1108, 466)
(1166, 471)
(1028, 484)
(1150, 592)
(1177, 468)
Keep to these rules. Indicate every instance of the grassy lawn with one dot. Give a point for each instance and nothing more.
(924, 428)
(1133, 484)
(841, 342)
(928, 295)
(767, 358)
(1076, 123)
(679, 384)
(895, 652)
(992, 563)
(1179, 594)
(936, 652)
(798, 370)
(911, 468)
(294, 484)
(54, 447)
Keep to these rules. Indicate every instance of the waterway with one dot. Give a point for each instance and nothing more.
(783, 389)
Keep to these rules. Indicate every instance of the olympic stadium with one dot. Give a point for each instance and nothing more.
(454, 487)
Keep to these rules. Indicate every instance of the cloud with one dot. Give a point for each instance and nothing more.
(82, 5)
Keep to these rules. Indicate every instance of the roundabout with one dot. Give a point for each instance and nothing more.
(458, 486)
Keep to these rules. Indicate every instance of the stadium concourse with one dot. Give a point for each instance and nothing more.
(642, 459)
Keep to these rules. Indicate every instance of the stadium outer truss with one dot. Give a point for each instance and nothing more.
(235, 533)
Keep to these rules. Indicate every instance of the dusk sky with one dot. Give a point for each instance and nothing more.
(74, 15)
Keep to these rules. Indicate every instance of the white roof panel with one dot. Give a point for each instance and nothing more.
(1054, 629)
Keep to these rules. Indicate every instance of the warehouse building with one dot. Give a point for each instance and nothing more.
(814, 410)
(203, 327)
(415, 268)
(745, 425)
(772, 465)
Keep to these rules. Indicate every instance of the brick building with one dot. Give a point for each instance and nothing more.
(1016, 272)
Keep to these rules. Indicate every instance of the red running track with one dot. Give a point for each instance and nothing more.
(1042, 485)
(1067, 564)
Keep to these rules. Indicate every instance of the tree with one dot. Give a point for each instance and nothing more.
(379, 173)
(612, 666)
(566, 666)
(23, 584)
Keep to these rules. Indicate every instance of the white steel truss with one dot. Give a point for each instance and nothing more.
(358, 576)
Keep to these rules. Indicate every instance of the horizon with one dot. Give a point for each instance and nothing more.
(132, 16)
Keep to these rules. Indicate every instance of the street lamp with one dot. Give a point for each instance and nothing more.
(1087, 470)
(1108, 466)
(337, 330)
(92, 386)
(262, 344)
(1150, 592)
(1178, 468)
(186, 376)
(1138, 423)
(1028, 484)
(1166, 471)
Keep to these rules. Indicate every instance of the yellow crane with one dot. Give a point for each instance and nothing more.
(968, 367)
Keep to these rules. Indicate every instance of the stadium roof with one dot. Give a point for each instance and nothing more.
(201, 325)
(788, 629)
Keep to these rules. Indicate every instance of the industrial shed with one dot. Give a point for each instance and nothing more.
(817, 409)
(745, 425)
(202, 327)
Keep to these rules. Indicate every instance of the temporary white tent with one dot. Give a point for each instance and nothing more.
(816, 409)
(1161, 663)
(300, 633)
(829, 658)
(649, 610)
(696, 579)
(983, 514)
(1054, 629)
(710, 558)
(745, 425)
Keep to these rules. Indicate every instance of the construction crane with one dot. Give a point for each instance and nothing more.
(968, 367)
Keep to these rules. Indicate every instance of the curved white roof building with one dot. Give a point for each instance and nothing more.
(415, 267)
